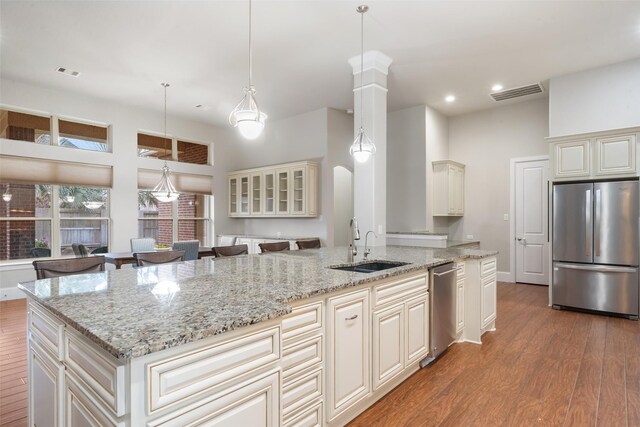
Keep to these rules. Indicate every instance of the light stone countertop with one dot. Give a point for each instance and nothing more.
(133, 312)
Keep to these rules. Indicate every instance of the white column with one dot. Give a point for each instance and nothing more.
(370, 178)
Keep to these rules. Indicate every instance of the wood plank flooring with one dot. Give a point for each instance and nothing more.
(13, 363)
(541, 367)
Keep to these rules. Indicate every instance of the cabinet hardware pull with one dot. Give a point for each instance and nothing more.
(355, 316)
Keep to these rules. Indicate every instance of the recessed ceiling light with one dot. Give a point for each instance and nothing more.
(496, 87)
(450, 98)
(203, 107)
(68, 72)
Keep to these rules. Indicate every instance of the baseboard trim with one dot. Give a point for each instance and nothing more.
(13, 292)
(506, 276)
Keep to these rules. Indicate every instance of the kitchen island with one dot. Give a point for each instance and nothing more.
(273, 339)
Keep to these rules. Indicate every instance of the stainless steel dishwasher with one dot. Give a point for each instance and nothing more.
(442, 311)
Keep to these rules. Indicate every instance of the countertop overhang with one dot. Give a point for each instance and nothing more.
(134, 312)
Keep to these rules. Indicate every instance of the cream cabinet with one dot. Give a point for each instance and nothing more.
(388, 344)
(448, 188)
(46, 381)
(417, 328)
(480, 298)
(286, 190)
(608, 154)
(348, 351)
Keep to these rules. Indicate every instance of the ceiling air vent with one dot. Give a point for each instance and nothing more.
(517, 92)
(68, 72)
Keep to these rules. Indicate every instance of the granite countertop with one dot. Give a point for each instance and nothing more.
(421, 233)
(133, 312)
(262, 236)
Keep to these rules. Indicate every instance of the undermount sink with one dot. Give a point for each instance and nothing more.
(369, 267)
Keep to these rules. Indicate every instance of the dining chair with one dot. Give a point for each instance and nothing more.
(144, 244)
(100, 250)
(274, 247)
(147, 259)
(308, 244)
(79, 249)
(190, 248)
(65, 267)
(223, 251)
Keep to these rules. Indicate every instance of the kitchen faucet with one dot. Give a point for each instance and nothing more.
(366, 236)
(355, 235)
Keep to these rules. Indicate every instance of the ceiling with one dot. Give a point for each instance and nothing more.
(125, 49)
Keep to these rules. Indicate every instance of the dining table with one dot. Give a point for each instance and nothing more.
(120, 258)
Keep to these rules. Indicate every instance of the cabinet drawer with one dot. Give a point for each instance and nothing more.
(487, 266)
(460, 266)
(255, 402)
(311, 417)
(399, 290)
(300, 392)
(48, 330)
(83, 409)
(181, 377)
(303, 319)
(98, 371)
(296, 358)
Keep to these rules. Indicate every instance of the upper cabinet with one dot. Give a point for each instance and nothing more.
(286, 190)
(448, 188)
(597, 155)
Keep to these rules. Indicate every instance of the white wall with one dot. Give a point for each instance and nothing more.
(126, 122)
(437, 148)
(485, 141)
(594, 100)
(318, 136)
(343, 204)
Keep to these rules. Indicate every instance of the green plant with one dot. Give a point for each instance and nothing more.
(42, 243)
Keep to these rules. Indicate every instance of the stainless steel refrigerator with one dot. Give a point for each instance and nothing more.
(595, 246)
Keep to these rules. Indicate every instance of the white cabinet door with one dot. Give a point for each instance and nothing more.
(282, 185)
(244, 195)
(348, 351)
(269, 207)
(571, 159)
(417, 338)
(233, 196)
(615, 155)
(256, 194)
(488, 304)
(448, 188)
(46, 377)
(388, 344)
(298, 193)
(460, 306)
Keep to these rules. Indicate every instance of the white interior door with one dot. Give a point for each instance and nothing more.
(531, 217)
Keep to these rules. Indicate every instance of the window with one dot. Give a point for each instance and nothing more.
(46, 220)
(155, 146)
(25, 127)
(185, 219)
(82, 136)
(189, 152)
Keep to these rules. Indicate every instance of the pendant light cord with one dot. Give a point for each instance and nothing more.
(361, 67)
(165, 85)
(250, 56)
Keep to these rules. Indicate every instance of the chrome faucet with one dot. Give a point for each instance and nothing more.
(366, 236)
(355, 235)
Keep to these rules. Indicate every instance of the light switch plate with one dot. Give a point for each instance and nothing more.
(506, 217)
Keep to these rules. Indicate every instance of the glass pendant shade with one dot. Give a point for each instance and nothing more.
(165, 191)
(7, 197)
(362, 147)
(247, 117)
(93, 205)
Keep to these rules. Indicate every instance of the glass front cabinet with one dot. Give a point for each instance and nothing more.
(286, 190)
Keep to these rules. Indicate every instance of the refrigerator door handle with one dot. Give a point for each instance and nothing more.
(587, 224)
(597, 214)
(598, 268)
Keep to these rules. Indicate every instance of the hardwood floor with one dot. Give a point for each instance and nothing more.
(13, 363)
(541, 367)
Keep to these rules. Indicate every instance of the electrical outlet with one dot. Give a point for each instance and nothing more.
(278, 234)
(469, 236)
(380, 229)
(506, 217)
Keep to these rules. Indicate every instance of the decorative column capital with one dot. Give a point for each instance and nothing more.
(373, 59)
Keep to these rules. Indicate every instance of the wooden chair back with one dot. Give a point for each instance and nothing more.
(308, 244)
(222, 251)
(274, 247)
(147, 259)
(65, 267)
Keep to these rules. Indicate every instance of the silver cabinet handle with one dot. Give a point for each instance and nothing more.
(446, 272)
(354, 317)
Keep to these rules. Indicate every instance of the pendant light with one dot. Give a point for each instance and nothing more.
(362, 147)
(7, 196)
(165, 191)
(247, 116)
